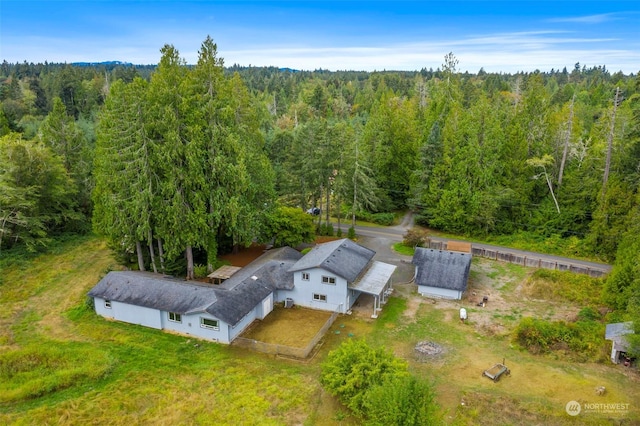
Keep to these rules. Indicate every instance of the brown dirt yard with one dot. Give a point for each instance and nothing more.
(293, 327)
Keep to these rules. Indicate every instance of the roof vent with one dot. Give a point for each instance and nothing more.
(253, 277)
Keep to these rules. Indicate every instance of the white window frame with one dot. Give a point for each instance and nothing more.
(305, 276)
(174, 316)
(107, 304)
(328, 280)
(209, 327)
(320, 297)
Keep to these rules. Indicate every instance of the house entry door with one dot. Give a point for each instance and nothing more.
(267, 307)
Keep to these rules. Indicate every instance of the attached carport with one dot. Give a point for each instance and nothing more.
(377, 282)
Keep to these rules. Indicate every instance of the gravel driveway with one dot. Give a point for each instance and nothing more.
(385, 253)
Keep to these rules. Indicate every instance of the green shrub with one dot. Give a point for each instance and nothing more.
(200, 271)
(385, 219)
(351, 233)
(416, 237)
(325, 229)
(352, 369)
(588, 314)
(402, 401)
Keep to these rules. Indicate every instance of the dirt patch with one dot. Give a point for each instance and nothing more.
(506, 301)
(413, 304)
(293, 327)
(427, 350)
(245, 255)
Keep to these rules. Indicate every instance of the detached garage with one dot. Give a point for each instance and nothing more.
(440, 273)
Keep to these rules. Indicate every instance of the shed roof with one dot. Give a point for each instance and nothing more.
(616, 332)
(342, 257)
(618, 329)
(441, 268)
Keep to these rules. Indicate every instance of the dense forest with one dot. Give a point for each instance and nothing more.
(176, 161)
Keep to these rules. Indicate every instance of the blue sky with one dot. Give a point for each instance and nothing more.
(499, 36)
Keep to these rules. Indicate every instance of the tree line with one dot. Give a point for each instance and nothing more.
(173, 159)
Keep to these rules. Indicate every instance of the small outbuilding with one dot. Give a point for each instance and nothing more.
(616, 332)
(441, 273)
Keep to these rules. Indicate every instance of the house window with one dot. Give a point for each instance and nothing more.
(211, 324)
(107, 304)
(320, 297)
(305, 276)
(328, 280)
(175, 317)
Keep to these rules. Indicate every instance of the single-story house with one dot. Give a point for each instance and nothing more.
(616, 333)
(330, 277)
(441, 273)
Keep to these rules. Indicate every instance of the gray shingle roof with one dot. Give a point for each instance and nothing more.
(230, 302)
(618, 329)
(234, 304)
(342, 257)
(154, 291)
(442, 269)
(273, 267)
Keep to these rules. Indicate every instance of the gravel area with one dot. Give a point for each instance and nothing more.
(385, 253)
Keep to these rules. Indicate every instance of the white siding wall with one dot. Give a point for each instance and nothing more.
(101, 309)
(443, 293)
(190, 324)
(129, 313)
(303, 291)
(244, 322)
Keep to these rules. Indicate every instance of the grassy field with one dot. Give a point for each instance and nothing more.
(61, 364)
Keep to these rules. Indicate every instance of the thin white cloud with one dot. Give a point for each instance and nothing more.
(589, 19)
(504, 52)
(498, 52)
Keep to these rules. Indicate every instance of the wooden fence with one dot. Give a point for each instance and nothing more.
(530, 260)
(289, 351)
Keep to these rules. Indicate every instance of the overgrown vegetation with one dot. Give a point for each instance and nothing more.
(565, 286)
(55, 352)
(46, 367)
(377, 386)
(581, 340)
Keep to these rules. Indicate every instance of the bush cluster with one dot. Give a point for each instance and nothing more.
(325, 229)
(385, 219)
(581, 340)
(416, 237)
(377, 386)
